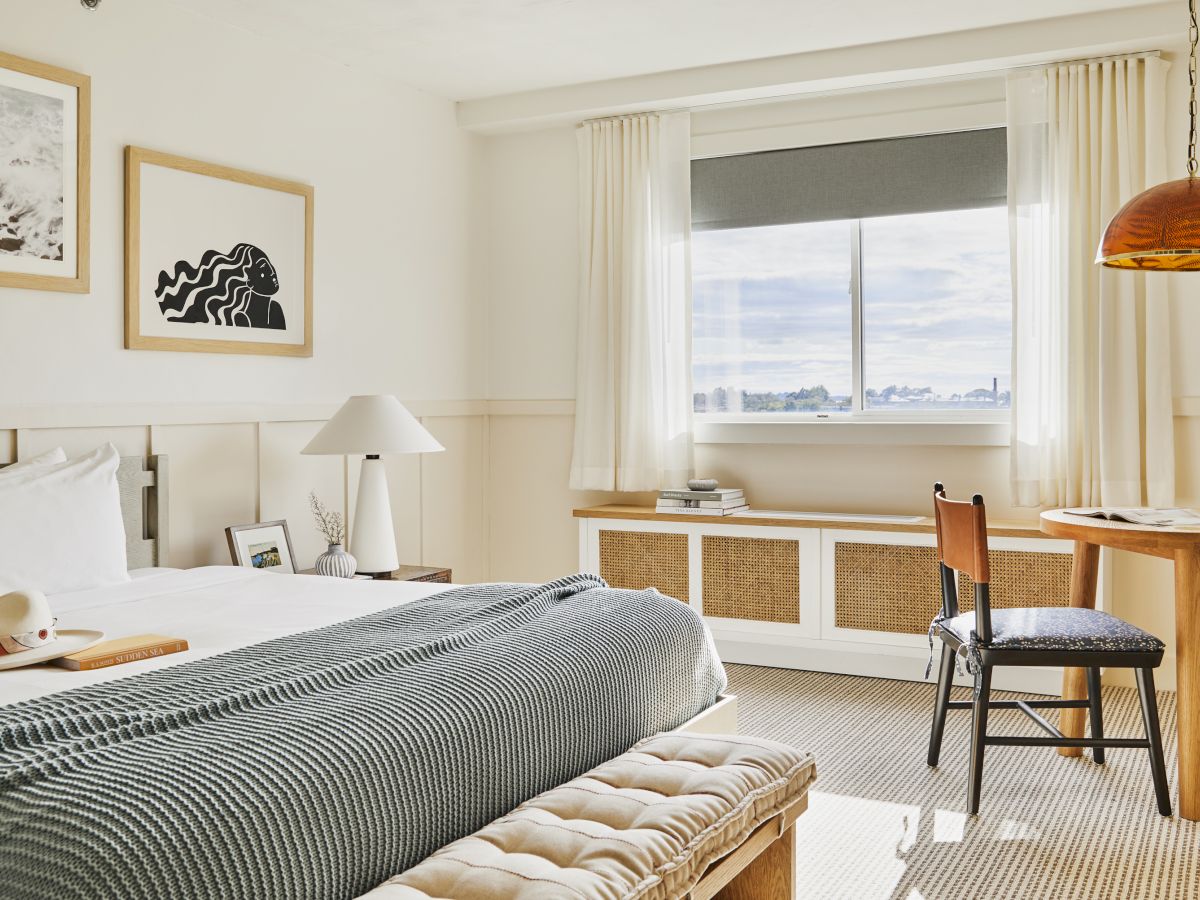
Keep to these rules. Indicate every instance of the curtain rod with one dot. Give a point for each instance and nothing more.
(1087, 60)
(1137, 54)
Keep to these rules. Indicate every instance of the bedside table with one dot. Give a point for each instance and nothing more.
(431, 574)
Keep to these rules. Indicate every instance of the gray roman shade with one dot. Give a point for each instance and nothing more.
(956, 170)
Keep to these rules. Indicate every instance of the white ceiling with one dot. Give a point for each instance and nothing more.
(464, 49)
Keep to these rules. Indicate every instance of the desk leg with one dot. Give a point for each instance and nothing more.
(1085, 569)
(1187, 669)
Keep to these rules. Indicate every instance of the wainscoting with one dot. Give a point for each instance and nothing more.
(233, 464)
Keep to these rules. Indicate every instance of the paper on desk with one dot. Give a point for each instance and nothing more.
(1159, 518)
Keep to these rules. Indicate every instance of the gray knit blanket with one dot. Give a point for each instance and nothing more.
(320, 764)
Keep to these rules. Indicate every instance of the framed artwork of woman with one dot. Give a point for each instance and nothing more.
(217, 260)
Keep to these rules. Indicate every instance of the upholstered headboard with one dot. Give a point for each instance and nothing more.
(142, 482)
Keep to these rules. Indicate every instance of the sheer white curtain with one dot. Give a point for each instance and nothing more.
(1091, 346)
(633, 403)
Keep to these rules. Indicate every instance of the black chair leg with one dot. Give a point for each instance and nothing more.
(945, 680)
(1093, 682)
(1158, 766)
(979, 714)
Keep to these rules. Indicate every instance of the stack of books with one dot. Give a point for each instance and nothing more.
(721, 502)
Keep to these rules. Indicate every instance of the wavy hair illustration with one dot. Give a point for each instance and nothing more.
(233, 288)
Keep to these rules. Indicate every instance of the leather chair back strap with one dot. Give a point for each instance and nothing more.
(962, 535)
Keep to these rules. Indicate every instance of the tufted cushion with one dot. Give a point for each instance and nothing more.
(1057, 628)
(642, 826)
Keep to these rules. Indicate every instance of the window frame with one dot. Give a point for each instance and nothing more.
(838, 118)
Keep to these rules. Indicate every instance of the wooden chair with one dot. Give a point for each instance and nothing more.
(1047, 636)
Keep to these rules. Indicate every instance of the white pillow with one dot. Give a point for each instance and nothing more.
(61, 526)
(49, 458)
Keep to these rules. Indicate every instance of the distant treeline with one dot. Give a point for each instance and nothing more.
(818, 399)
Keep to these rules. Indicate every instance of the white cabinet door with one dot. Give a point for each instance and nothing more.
(635, 554)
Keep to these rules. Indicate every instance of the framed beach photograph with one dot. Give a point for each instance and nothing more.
(264, 545)
(45, 176)
(217, 260)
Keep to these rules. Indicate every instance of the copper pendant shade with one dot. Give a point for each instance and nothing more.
(1159, 229)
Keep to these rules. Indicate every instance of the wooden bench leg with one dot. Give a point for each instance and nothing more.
(771, 876)
(762, 867)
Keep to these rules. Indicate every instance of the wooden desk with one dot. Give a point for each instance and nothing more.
(1182, 547)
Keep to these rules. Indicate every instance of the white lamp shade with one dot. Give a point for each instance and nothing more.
(372, 424)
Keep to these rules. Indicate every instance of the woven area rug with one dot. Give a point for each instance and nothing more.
(882, 824)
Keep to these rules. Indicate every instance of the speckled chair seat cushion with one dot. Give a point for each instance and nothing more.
(643, 826)
(1057, 628)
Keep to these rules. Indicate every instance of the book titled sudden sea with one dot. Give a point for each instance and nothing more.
(122, 650)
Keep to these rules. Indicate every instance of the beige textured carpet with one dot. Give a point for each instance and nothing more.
(882, 824)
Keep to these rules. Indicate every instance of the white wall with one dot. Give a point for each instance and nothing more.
(531, 202)
(396, 303)
(394, 182)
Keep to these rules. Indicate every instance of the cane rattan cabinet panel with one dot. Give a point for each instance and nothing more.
(885, 587)
(1023, 578)
(642, 559)
(894, 588)
(751, 578)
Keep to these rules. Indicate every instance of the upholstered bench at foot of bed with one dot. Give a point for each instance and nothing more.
(678, 815)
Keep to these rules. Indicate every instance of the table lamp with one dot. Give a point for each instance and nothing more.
(373, 425)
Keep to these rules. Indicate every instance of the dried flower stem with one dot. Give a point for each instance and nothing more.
(330, 524)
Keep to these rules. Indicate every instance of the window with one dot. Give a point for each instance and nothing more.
(821, 287)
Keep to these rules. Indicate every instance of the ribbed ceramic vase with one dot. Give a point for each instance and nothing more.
(336, 563)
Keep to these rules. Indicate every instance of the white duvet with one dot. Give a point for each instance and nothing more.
(215, 609)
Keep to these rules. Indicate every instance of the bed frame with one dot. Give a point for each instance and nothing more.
(720, 718)
(142, 482)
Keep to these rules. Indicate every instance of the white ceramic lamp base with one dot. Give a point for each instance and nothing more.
(373, 540)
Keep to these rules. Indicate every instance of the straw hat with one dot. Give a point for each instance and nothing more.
(28, 631)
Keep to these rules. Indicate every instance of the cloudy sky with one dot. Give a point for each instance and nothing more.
(772, 304)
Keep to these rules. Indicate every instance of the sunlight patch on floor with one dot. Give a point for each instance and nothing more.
(948, 826)
(1010, 830)
(853, 834)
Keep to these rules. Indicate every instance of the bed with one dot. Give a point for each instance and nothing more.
(319, 735)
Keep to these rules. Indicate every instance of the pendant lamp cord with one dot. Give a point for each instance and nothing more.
(1193, 37)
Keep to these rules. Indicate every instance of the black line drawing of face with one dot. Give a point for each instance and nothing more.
(263, 279)
(235, 288)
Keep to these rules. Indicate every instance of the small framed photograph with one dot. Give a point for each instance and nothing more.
(45, 176)
(264, 545)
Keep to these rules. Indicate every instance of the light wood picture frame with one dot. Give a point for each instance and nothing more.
(217, 260)
(45, 173)
(266, 546)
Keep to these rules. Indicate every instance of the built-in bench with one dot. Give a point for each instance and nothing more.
(679, 815)
(837, 592)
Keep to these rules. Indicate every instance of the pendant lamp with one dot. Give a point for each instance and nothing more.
(1159, 229)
